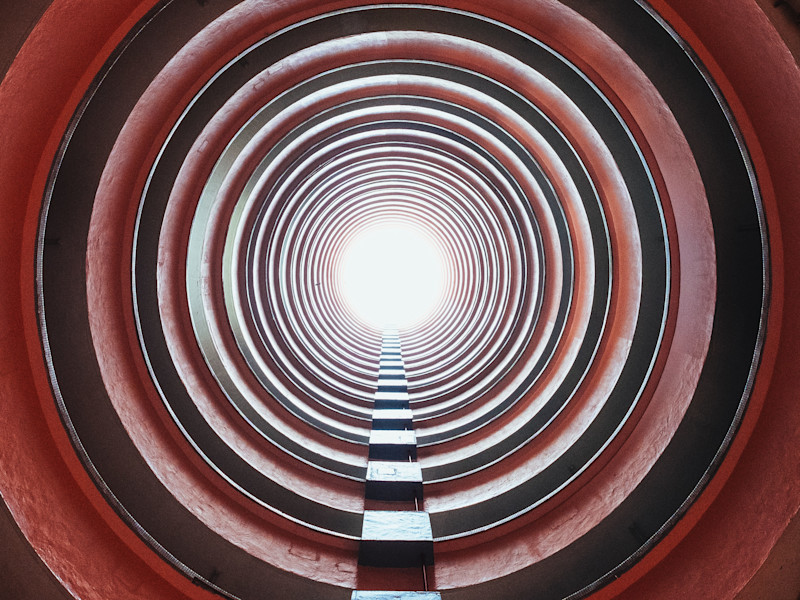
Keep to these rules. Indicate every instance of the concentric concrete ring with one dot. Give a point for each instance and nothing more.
(576, 387)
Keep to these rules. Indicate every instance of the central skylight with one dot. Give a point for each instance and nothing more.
(392, 276)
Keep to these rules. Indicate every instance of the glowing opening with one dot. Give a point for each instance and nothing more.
(391, 276)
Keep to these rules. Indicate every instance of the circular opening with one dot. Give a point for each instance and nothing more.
(392, 276)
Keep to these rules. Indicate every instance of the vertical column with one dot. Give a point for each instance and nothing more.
(400, 537)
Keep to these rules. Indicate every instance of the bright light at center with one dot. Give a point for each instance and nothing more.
(391, 276)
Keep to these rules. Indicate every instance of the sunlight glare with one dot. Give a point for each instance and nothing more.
(391, 276)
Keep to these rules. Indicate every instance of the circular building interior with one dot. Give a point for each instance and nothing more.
(328, 299)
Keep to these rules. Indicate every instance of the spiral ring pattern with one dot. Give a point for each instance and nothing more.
(603, 308)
